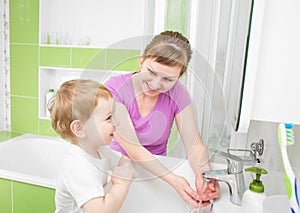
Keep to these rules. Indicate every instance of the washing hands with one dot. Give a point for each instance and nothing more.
(207, 191)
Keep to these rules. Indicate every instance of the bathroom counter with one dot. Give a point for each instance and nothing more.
(149, 194)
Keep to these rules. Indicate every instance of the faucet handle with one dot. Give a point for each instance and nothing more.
(235, 164)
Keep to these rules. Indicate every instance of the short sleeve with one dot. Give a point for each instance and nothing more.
(113, 84)
(180, 96)
(112, 156)
(84, 184)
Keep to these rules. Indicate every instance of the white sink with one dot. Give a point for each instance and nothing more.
(150, 194)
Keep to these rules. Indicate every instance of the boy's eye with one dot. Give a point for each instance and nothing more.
(109, 118)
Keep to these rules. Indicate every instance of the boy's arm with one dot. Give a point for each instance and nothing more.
(113, 200)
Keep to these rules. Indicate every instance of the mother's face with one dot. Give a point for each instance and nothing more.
(158, 78)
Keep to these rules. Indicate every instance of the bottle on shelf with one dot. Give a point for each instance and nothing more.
(49, 95)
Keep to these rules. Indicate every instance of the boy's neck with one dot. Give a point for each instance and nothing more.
(93, 151)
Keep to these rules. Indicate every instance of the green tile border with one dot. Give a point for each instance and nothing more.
(90, 58)
(55, 56)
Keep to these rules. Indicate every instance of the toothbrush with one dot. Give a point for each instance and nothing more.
(286, 137)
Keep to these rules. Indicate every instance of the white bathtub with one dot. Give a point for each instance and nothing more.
(35, 160)
(32, 159)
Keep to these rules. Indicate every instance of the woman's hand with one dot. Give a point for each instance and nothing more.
(207, 190)
(184, 189)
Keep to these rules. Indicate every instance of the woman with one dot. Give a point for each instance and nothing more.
(148, 101)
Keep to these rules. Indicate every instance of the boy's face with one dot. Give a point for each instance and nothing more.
(100, 127)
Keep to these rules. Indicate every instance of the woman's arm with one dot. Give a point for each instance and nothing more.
(127, 138)
(196, 151)
(195, 148)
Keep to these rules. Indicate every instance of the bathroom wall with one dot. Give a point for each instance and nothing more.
(271, 158)
(26, 55)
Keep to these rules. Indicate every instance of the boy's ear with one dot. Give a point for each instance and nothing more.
(77, 129)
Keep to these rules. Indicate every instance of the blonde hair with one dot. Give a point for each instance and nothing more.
(75, 100)
(169, 48)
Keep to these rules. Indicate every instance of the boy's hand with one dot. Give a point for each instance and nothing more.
(123, 174)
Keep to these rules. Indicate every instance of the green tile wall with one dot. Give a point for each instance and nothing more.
(24, 114)
(24, 70)
(46, 129)
(26, 55)
(24, 21)
(29, 198)
(17, 197)
(5, 196)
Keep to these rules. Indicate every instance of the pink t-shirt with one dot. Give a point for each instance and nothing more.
(153, 130)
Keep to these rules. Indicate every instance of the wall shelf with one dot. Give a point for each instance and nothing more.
(53, 77)
(97, 23)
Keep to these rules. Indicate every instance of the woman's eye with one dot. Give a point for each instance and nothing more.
(151, 72)
(168, 79)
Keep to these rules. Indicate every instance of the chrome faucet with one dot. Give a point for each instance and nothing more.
(233, 176)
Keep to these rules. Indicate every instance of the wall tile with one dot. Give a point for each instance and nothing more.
(24, 21)
(32, 198)
(6, 135)
(24, 114)
(24, 70)
(92, 58)
(124, 60)
(55, 56)
(46, 129)
(5, 196)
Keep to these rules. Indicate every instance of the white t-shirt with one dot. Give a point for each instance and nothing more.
(83, 177)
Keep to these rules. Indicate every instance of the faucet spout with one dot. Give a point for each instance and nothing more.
(233, 176)
(235, 183)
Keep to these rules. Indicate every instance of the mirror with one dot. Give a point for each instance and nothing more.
(220, 36)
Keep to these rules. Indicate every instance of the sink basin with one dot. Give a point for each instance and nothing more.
(150, 194)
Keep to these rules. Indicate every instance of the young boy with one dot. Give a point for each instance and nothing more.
(82, 112)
